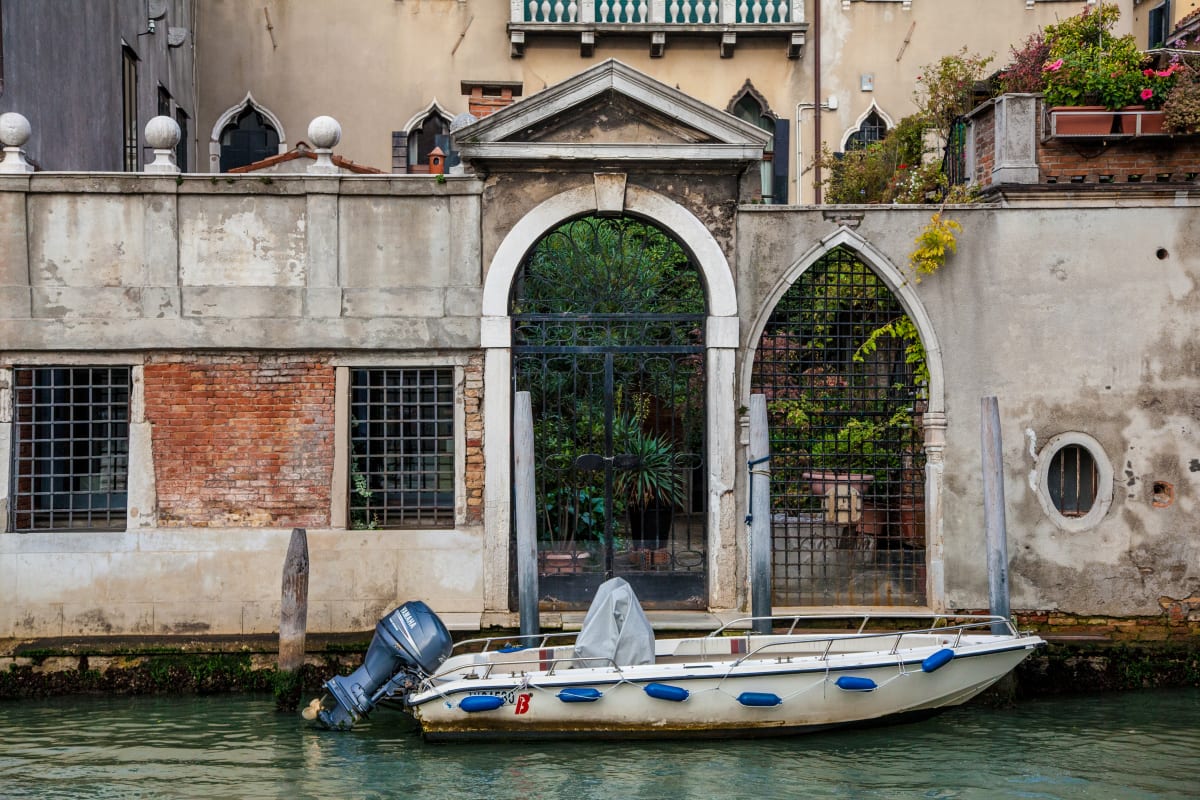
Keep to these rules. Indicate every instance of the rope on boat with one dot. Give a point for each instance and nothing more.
(750, 467)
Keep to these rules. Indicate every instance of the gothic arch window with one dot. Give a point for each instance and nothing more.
(428, 129)
(844, 370)
(245, 133)
(871, 128)
(248, 139)
(749, 105)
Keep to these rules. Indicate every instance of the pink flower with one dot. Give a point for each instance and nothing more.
(1148, 72)
(1147, 94)
(1054, 66)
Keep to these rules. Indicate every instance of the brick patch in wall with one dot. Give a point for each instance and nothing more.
(473, 412)
(241, 440)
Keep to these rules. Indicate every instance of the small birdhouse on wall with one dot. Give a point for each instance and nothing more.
(437, 161)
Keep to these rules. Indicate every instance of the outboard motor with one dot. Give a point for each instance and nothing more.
(409, 642)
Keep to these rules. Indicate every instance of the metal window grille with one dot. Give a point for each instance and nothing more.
(954, 164)
(402, 448)
(872, 129)
(608, 339)
(1072, 480)
(70, 448)
(130, 109)
(843, 371)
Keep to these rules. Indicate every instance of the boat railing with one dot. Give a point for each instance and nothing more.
(741, 624)
(969, 622)
(522, 665)
(527, 641)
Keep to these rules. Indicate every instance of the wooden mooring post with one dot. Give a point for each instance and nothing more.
(524, 514)
(995, 526)
(759, 456)
(293, 620)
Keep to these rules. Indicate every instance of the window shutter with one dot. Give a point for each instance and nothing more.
(779, 164)
(399, 151)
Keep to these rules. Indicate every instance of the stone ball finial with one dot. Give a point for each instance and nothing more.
(462, 120)
(162, 133)
(14, 129)
(324, 132)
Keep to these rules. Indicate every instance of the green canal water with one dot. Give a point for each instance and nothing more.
(1113, 746)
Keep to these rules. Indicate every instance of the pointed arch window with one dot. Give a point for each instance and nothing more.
(411, 147)
(248, 138)
(844, 371)
(872, 129)
(752, 107)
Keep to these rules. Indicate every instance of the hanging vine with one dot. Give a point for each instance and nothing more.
(934, 243)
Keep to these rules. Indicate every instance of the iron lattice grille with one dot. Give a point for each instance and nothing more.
(843, 371)
(70, 448)
(608, 320)
(402, 448)
(1072, 480)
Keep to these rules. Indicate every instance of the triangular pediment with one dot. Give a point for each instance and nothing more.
(610, 112)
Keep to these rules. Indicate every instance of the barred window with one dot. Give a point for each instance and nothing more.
(402, 448)
(70, 448)
(1072, 479)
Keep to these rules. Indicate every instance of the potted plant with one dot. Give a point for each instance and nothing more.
(570, 517)
(1090, 72)
(652, 488)
(1181, 106)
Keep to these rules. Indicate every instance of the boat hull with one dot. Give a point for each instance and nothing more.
(808, 695)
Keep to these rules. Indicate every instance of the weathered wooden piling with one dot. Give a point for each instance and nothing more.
(760, 514)
(995, 526)
(293, 620)
(524, 512)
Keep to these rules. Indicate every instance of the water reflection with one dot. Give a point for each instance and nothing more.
(1112, 746)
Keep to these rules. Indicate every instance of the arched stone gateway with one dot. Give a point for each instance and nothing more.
(851, 370)
(669, 382)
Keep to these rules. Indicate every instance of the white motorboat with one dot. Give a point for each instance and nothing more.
(614, 679)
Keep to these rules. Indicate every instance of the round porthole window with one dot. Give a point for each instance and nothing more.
(1074, 481)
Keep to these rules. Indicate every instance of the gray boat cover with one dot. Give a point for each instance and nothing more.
(616, 627)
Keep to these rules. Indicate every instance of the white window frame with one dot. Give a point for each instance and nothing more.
(1104, 481)
(339, 512)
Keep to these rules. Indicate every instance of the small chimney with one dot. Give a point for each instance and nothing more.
(488, 97)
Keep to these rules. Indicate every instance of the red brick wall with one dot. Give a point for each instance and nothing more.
(241, 440)
(1123, 161)
(1143, 160)
(985, 149)
(473, 412)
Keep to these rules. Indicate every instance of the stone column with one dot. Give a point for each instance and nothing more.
(935, 473)
(142, 502)
(496, 338)
(1015, 119)
(725, 530)
(6, 426)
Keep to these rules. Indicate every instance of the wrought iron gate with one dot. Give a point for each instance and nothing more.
(844, 374)
(608, 323)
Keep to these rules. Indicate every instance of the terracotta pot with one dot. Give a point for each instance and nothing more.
(912, 523)
(560, 562)
(874, 522)
(823, 480)
(1152, 121)
(1081, 120)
